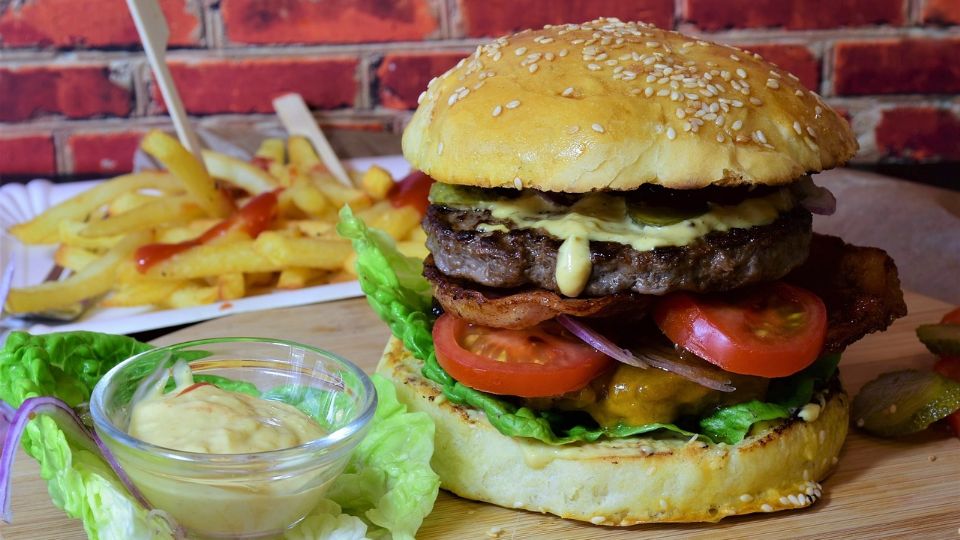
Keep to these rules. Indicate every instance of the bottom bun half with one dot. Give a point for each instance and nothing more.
(627, 481)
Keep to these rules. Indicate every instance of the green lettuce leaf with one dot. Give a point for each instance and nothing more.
(731, 424)
(400, 295)
(391, 467)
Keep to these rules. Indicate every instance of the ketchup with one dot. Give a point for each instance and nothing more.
(412, 191)
(252, 218)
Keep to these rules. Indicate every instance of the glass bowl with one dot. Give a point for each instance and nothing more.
(254, 495)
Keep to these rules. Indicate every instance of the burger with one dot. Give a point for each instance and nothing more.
(633, 320)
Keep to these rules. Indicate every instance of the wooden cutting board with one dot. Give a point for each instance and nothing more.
(881, 489)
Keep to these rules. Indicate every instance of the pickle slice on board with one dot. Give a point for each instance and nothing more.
(904, 402)
(940, 338)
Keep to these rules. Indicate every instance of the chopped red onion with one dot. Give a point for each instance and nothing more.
(599, 342)
(646, 358)
(13, 425)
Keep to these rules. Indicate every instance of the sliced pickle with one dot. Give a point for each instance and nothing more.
(660, 216)
(904, 402)
(450, 195)
(940, 338)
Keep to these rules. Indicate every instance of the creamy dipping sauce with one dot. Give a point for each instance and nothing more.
(199, 417)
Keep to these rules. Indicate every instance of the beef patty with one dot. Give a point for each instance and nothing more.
(527, 257)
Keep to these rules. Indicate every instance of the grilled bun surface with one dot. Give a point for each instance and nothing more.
(612, 105)
(625, 481)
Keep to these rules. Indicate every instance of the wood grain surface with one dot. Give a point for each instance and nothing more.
(908, 488)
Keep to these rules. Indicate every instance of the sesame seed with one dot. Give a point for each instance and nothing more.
(647, 450)
(772, 83)
(742, 73)
(775, 74)
(720, 138)
(797, 128)
(784, 500)
(596, 520)
(710, 117)
(663, 92)
(452, 99)
(593, 67)
(533, 68)
(601, 57)
(648, 91)
(735, 58)
(421, 97)
(520, 51)
(548, 56)
(562, 52)
(636, 91)
(746, 497)
(760, 136)
(692, 97)
(671, 133)
(567, 92)
(681, 114)
(737, 124)
(497, 110)
(818, 110)
(766, 507)
(811, 132)
(545, 40)
(517, 183)
(720, 119)
(793, 500)
(440, 148)
(597, 127)
(755, 100)
(674, 96)
(513, 104)
(653, 44)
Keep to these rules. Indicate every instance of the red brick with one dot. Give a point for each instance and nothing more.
(404, 76)
(90, 23)
(103, 153)
(27, 154)
(945, 12)
(919, 133)
(897, 66)
(496, 17)
(327, 21)
(249, 86)
(76, 92)
(792, 14)
(796, 59)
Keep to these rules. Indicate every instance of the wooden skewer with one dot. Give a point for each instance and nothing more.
(296, 118)
(154, 34)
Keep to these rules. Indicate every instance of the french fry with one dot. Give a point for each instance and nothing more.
(94, 280)
(413, 249)
(70, 235)
(182, 233)
(74, 258)
(143, 291)
(376, 182)
(350, 265)
(253, 280)
(188, 169)
(213, 260)
(44, 229)
(297, 277)
(241, 174)
(192, 294)
(128, 201)
(396, 222)
(281, 173)
(314, 227)
(302, 155)
(271, 151)
(286, 250)
(310, 199)
(339, 194)
(230, 286)
(157, 212)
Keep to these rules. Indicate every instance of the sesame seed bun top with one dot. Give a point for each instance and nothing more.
(612, 105)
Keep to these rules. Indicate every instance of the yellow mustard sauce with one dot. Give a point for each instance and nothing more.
(602, 217)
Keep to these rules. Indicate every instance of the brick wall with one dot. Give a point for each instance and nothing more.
(76, 93)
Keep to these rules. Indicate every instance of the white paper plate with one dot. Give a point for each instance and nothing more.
(20, 202)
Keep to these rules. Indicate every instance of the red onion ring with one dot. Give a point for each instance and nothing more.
(644, 359)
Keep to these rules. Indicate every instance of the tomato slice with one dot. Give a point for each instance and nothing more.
(951, 318)
(770, 330)
(412, 191)
(541, 361)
